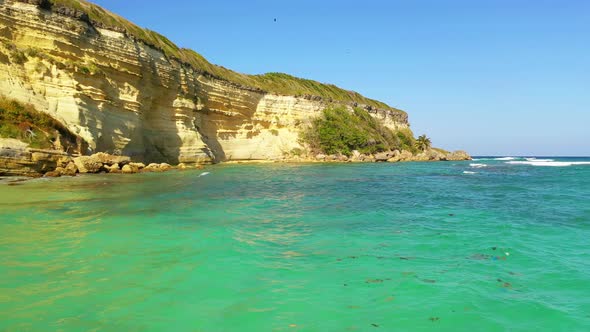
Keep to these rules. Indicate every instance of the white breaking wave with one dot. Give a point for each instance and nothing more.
(203, 174)
(469, 172)
(538, 162)
(505, 158)
(535, 159)
(478, 165)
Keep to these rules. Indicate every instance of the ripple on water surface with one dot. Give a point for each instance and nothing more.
(419, 246)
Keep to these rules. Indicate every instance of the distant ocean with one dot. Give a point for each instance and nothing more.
(493, 244)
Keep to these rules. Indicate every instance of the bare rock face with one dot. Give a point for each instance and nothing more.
(384, 156)
(88, 164)
(113, 169)
(128, 169)
(404, 155)
(109, 159)
(70, 169)
(165, 167)
(139, 166)
(458, 155)
(17, 159)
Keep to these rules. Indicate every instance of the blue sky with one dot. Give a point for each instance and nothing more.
(501, 77)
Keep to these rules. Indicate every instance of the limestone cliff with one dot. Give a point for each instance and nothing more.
(122, 95)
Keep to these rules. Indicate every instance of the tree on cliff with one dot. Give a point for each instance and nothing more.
(423, 143)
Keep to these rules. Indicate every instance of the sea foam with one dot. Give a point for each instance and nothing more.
(478, 165)
(535, 159)
(549, 163)
(505, 158)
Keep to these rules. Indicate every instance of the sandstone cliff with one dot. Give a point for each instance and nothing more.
(123, 95)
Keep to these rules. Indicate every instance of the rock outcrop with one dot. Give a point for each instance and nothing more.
(17, 159)
(123, 96)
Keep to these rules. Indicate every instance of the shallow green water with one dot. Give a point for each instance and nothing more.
(338, 247)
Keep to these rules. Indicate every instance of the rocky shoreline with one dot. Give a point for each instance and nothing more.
(17, 159)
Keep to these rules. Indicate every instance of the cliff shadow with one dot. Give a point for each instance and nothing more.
(227, 110)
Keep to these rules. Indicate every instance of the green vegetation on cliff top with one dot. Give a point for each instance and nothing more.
(339, 131)
(271, 82)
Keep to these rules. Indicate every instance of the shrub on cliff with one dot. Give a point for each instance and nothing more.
(24, 122)
(406, 140)
(339, 130)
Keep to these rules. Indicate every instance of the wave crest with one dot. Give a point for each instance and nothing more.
(540, 162)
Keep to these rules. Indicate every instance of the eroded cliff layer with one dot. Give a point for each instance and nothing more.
(125, 97)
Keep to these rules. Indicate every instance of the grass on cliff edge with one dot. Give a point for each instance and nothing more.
(28, 125)
(339, 130)
(271, 82)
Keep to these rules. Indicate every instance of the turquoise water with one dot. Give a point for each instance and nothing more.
(315, 247)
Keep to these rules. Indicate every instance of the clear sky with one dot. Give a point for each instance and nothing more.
(493, 77)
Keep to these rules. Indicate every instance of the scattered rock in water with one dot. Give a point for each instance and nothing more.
(430, 281)
(152, 167)
(139, 166)
(52, 174)
(128, 169)
(374, 281)
(88, 164)
(434, 319)
(479, 257)
(70, 169)
(494, 248)
(374, 325)
(451, 214)
(113, 169)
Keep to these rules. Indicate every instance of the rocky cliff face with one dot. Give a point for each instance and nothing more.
(125, 97)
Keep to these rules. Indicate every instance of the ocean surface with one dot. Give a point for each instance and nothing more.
(482, 245)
